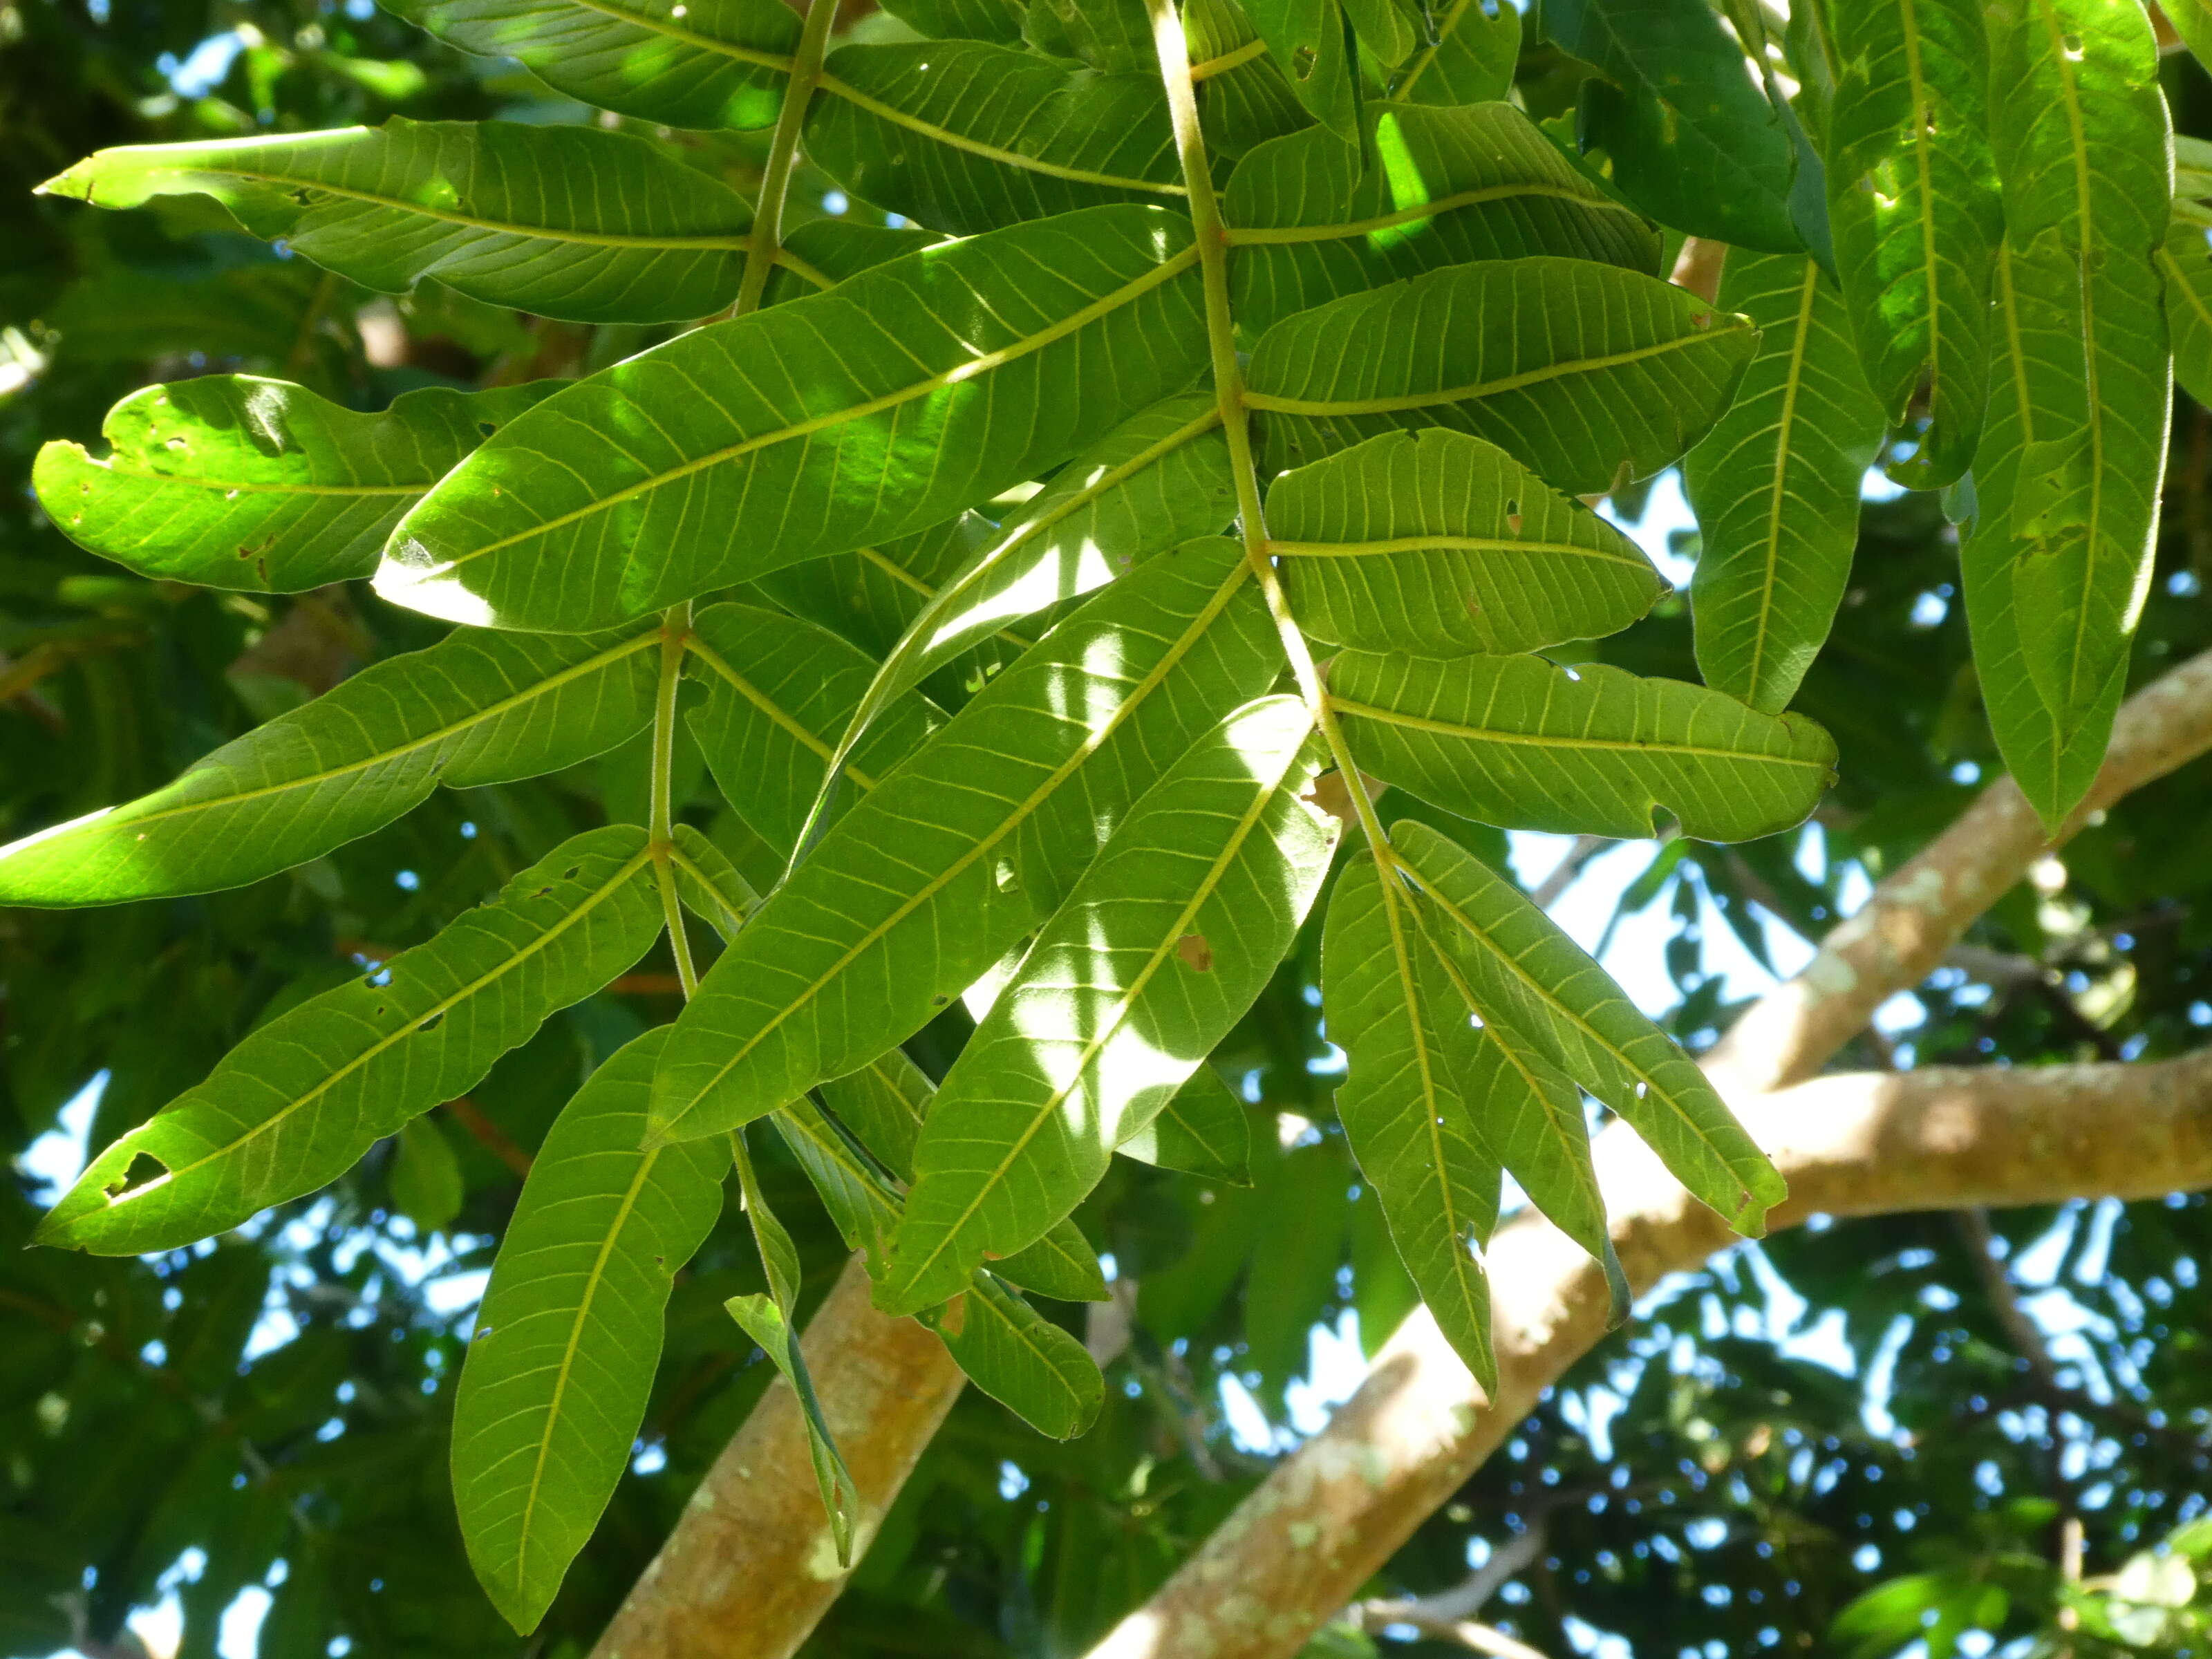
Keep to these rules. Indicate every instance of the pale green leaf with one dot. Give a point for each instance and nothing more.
(961, 19)
(682, 62)
(2070, 465)
(1441, 544)
(1447, 186)
(1159, 479)
(297, 1103)
(860, 1205)
(1020, 1359)
(1244, 98)
(472, 709)
(233, 481)
(1591, 749)
(1311, 45)
(1589, 374)
(568, 1335)
(1478, 43)
(1776, 484)
(426, 1177)
(1114, 36)
(1061, 1265)
(779, 1256)
(822, 253)
(970, 844)
(771, 1327)
(709, 884)
(965, 137)
(884, 1103)
(1525, 973)
(566, 221)
(1404, 1113)
(1692, 139)
(1157, 953)
(1912, 204)
(779, 693)
(1204, 1130)
(886, 404)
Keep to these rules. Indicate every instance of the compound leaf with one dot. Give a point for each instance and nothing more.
(234, 481)
(1776, 484)
(568, 1335)
(475, 708)
(878, 408)
(1440, 544)
(1586, 751)
(297, 1102)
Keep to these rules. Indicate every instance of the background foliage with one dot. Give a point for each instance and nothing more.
(270, 1409)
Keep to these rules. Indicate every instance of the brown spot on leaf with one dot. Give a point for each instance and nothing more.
(1195, 952)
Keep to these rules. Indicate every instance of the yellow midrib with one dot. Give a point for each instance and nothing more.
(1013, 821)
(1318, 406)
(775, 712)
(412, 1024)
(1770, 564)
(613, 653)
(1530, 741)
(1256, 236)
(241, 488)
(1111, 1024)
(1449, 544)
(1159, 276)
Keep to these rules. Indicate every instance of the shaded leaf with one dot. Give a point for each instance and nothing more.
(234, 481)
(568, 1335)
(1312, 45)
(1473, 57)
(1585, 751)
(426, 1177)
(761, 1319)
(299, 1101)
(1204, 1130)
(1021, 1359)
(2185, 262)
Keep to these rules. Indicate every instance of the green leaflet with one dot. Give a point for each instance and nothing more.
(566, 221)
(699, 63)
(1591, 750)
(1517, 962)
(822, 253)
(570, 1334)
(1020, 1359)
(771, 1327)
(1244, 98)
(966, 136)
(1403, 1109)
(1311, 44)
(1694, 141)
(1776, 484)
(1158, 480)
(778, 693)
(1114, 36)
(1472, 58)
(1005, 1347)
(1203, 1130)
(962, 20)
(1912, 204)
(1156, 951)
(234, 481)
(2069, 468)
(1441, 544)
(884, 405)
(1587, 374)
(426, 1177)
(1448, 187)
(971, 843)
(772, 1320)
(472, 709)
(297, 1102)
(1526, 1110)
(2185, 264)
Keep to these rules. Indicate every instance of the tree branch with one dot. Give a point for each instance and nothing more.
(750, 1567)
(1864, 1143)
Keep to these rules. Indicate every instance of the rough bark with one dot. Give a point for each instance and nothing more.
(750, 1568)
(1298, 1549)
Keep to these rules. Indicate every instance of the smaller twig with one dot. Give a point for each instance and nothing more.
(1375, 1616)
(1580, 856)
(488, 1135)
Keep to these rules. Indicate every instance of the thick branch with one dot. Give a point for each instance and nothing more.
(1300, 1547)
(750, 1567)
